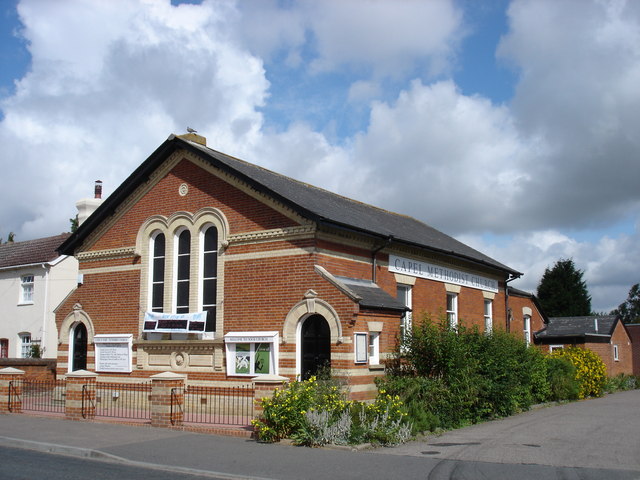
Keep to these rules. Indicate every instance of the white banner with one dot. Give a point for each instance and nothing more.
(174, 322)
(430, 271)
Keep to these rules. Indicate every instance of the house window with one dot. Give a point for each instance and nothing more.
(404, 296)
(555, 348)
(4, 347)
(183, 266)
(526, 322)
(361, 345)
(488, 316)
(209, 276)
(452, 310)
(25, 345)
(157, 272)
(616, 358)
(251, 353)
(374, 348)
(26, 289)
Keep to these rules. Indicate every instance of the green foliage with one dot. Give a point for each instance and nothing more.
(35, 351)
(629, 311)
(74, 224)
(621, 383)
(315, 412)
(561, 376)
(449, 378)
(562, 292)
(590, 370)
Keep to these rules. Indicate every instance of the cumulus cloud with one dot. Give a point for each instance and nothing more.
(106, 86)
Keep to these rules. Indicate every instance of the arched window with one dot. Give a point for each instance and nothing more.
(183, 266)
(157, 272)
(209, 276)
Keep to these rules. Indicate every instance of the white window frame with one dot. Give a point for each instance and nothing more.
(526, 328)
(25, 344)
(152, 258)
(406, 321)
(452, 313)
(553, 348)
(233, 339)
(488, 315)
(374, 348)
(361, 347)
(27, 289)
(616, 357)
(175, 261)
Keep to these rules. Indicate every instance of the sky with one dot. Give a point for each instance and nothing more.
(513, 126)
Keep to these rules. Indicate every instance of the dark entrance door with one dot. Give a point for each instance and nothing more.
(79, 348)
(316, 345)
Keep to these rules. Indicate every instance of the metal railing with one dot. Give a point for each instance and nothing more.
(219, 405)
(176, 404)
(123, 400)
(43, 396)
(14, 397)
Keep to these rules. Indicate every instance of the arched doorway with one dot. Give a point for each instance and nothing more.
(316, 345)
(79, 361)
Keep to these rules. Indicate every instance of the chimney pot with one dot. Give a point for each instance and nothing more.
(98, 189)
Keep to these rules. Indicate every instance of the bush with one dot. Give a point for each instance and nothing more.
(316, 412)
(591, 372)
(561, 377)
(449, 378)
(620, 383)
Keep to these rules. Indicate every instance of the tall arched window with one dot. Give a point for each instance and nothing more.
(183, 266)
(157, 272)
(209, 276)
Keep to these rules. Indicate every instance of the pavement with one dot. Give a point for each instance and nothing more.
(593, 434)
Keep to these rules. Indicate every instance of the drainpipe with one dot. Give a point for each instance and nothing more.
(45, 315)
(374, 261)
(506, 302)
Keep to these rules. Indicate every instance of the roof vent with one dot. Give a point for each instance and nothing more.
(595, 324)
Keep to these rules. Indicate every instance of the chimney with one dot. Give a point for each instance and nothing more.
(192, 136)
(87, 206)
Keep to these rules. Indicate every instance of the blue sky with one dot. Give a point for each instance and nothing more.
(511, 125)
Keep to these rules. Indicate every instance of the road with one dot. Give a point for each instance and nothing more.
(590, 440)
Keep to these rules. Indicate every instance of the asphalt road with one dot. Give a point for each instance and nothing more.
(590, 440)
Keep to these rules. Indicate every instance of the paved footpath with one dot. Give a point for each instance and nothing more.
(594, 439)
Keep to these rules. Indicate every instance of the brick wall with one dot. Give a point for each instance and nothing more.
(35, 369)
(634, 334)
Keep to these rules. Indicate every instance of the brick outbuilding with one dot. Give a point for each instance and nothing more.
(203, 264)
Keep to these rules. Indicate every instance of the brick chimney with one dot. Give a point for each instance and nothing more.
(87, 206)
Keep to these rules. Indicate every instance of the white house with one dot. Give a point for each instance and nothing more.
(34, 279)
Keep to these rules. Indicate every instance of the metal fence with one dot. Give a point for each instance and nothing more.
(123, 400)
(43, 396)
(218, 405)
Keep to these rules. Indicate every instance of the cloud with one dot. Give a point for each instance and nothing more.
(104, 92)
(577, 61)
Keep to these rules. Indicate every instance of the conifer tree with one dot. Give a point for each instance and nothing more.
(629, 311)
(562, 292)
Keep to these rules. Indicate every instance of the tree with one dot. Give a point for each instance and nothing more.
(562, 292)
(73, 224)
(629, 311)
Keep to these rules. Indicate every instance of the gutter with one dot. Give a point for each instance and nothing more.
(374, 260)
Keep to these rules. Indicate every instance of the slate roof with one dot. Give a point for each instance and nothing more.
(581, 327)
(40, 250)
(371, 295)
(319, 205)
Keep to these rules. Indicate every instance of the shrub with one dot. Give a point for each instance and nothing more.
(621, 382)
(591, 372)
(561, 377)
(316, 412)
(449, 378)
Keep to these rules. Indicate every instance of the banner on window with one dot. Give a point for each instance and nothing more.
(175, 322)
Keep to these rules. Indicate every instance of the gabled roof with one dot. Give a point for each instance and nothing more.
(321, 206)
(578, 327)
(521, 293)
(40, 250)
